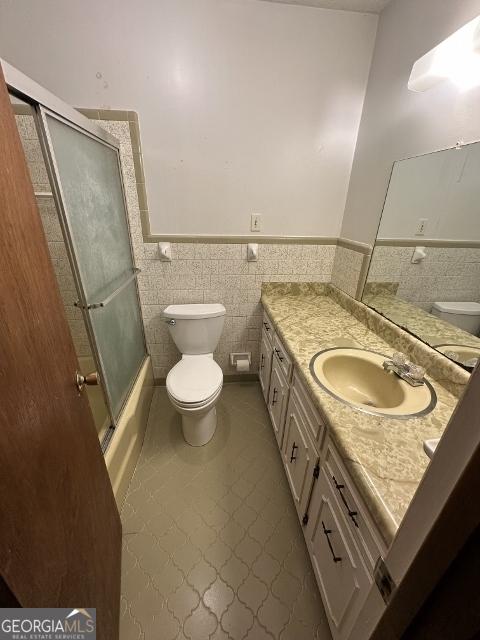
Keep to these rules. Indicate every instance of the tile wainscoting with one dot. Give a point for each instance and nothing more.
(350, 266)
(221, 273)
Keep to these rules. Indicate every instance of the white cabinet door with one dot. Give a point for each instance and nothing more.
(265, 366)
(341, 576)
(268, 328)
(283, 358)
(299, 455)
(277, 400)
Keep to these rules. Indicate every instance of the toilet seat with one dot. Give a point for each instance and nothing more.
(194, 381)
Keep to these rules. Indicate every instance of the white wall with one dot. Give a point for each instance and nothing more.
(397, 123)
(244, 106)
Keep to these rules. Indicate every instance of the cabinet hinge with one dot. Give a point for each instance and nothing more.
(305, 519)
(316, 471)
(383, 580)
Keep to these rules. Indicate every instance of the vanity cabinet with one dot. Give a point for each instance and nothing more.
(343, 542)
(268, 328)
(265, 365)
(284, 360)
(354, 514)
(299, 454)
(342, 578)
(277, 399)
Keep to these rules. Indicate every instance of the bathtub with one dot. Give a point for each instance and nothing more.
(124, 447)
(95, 398)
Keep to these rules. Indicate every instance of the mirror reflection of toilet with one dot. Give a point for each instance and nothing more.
(194, 384)
(465, 315)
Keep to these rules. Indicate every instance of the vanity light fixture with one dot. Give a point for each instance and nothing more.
(457, 58)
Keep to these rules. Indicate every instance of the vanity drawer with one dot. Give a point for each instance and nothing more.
(350, 504)
(280, 354)
(268, 327)
(313, 420)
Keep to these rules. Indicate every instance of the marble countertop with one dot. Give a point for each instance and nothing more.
(384, 456)
(423, 324)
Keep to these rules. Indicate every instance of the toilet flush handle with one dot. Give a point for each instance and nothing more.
(170, 321)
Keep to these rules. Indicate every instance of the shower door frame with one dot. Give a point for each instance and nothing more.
(46, 104)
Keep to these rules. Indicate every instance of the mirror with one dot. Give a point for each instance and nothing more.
(424, 273)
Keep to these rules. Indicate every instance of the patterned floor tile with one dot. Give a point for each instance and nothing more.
(234, 572)
(163, 627)
(273, 615)
(212, 547)
(202, 576)
(183, 601)
(237, 620)
(218, 597)
(253, 593)
(200, 624)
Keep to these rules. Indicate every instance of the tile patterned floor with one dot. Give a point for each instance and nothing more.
(212, 547)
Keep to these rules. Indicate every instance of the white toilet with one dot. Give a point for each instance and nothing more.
(194, 384)
(465, 315)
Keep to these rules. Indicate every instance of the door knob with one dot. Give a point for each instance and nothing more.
(90, 379)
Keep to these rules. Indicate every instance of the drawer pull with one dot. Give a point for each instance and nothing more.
(274, 396)
(351, 514)
(262, 362)
(293, 457)
(279, 354)
(327, 533)
(267, 326)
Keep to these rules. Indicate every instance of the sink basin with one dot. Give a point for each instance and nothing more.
(463, 354)
(357, 377)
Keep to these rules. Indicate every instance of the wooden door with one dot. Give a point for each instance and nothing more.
(60, 532)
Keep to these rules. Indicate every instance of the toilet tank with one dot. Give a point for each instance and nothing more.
(465, 315)
(195, 328)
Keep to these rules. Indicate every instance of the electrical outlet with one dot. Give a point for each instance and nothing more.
(421, 226)
(256, 222)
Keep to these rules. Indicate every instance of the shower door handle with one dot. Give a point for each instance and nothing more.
(91, 379)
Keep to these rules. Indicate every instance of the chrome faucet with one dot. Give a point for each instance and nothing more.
(406, 370)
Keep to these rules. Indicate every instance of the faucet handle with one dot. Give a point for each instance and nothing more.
(399, 359)
(416, 372)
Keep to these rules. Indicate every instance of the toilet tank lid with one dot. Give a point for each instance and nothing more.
(194, 311)
(462, 308)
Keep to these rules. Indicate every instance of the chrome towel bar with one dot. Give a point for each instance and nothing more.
(103, 303)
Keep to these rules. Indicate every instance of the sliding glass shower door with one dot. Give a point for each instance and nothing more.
(86, 176)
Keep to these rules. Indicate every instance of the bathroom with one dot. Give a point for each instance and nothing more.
(240, 318)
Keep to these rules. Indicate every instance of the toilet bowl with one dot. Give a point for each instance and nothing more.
(194, 384)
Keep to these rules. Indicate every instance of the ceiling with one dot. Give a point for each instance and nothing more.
(369, 6)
